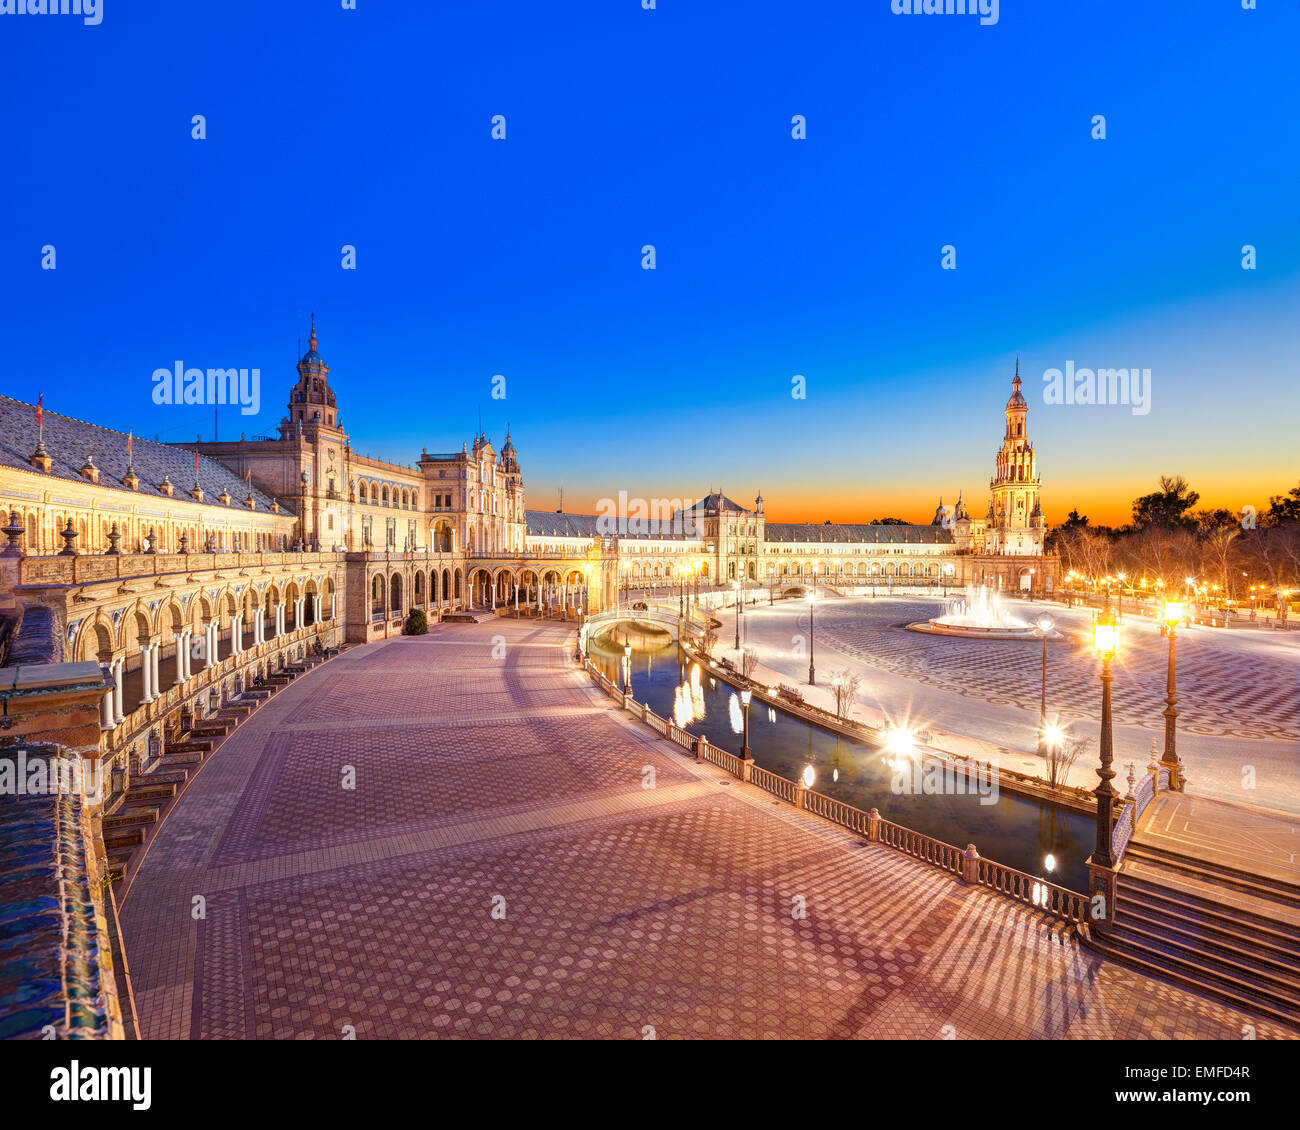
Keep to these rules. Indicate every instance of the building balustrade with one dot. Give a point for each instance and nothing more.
(159, 703)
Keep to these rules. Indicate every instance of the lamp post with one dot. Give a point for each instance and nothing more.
(745, 696)
(1119, 616)
(627, 668)
(735, 588)
(812, 673)
(1169, 759)
(1045, 624)
(1106, 644)
(771, 584)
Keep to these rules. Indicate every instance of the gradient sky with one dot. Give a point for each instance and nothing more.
(775, 257)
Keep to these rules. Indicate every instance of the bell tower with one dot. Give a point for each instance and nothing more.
(311, 400)
(1016, 523)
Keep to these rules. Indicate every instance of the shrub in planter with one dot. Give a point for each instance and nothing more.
(417, 623)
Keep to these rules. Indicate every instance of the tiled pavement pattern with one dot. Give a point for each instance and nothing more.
(1220, 694)
(625, 908)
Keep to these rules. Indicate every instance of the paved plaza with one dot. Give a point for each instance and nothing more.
(1239, 689)
(501, 870)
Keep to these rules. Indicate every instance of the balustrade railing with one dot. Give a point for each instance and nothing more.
(770, 782)
(1058, 901)
(921, 846)
(728, 761)
(1122, 832)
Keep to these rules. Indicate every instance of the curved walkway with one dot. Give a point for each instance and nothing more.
(519, 859)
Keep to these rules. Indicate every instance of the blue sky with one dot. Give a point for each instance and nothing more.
(775, 257)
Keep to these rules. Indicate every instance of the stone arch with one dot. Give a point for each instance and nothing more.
(395, 594)
(442, 536)
(378, 595)
(418, 598)
(95, 641)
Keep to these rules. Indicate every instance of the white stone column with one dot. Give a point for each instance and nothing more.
(320, 603)
(214, 634)
(146, 673)
(119, 673)
(333, 604)
(236, 629)
(181, 652)
(106, 720)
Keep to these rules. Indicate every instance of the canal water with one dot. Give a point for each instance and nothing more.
(1031, 836)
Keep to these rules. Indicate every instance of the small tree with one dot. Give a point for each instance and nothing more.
(417, 623)
(845, 685)
(1061, 756)
(748, 662)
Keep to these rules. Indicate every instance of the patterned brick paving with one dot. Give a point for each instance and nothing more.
(1221, 693)
(620, 909)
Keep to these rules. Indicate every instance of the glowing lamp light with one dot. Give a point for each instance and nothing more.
(1050, 863)
(809, 776)
(1045, 623)
(900, 742)
(745, 696)
(1053, 734)
(1173, 611)
(1105, 636)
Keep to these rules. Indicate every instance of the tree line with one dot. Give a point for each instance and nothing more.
(1170, 539)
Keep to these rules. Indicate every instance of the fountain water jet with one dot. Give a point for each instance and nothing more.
(980, 614)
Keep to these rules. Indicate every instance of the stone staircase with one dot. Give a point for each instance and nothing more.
(1218, 930)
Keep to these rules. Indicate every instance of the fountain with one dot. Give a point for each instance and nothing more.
(980, 615)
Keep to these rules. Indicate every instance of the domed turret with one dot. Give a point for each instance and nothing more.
(311, 400)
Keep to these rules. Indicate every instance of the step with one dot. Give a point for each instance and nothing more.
(1188, 925)
(123, 837)
(1276, 973)
(1152, 883)
(1219, 874)
(1205, 974)
(196, 745)
(150, 790)
(1155, 964)
(175, 758)
(160, 777)
(131, 818)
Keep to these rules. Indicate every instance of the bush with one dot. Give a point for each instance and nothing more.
(417, 623)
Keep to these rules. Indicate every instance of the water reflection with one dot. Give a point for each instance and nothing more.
(1033, 837)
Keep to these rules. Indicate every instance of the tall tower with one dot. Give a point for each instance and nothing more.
(1016, 523)
(311, 400)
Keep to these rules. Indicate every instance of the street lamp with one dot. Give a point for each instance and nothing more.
(812, 674)
(1120, 612)
(771, 584)
(1045, 624)
(1106, 644)
(735, 588)
(745, 696)
(1173, 614)
(627, 668)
